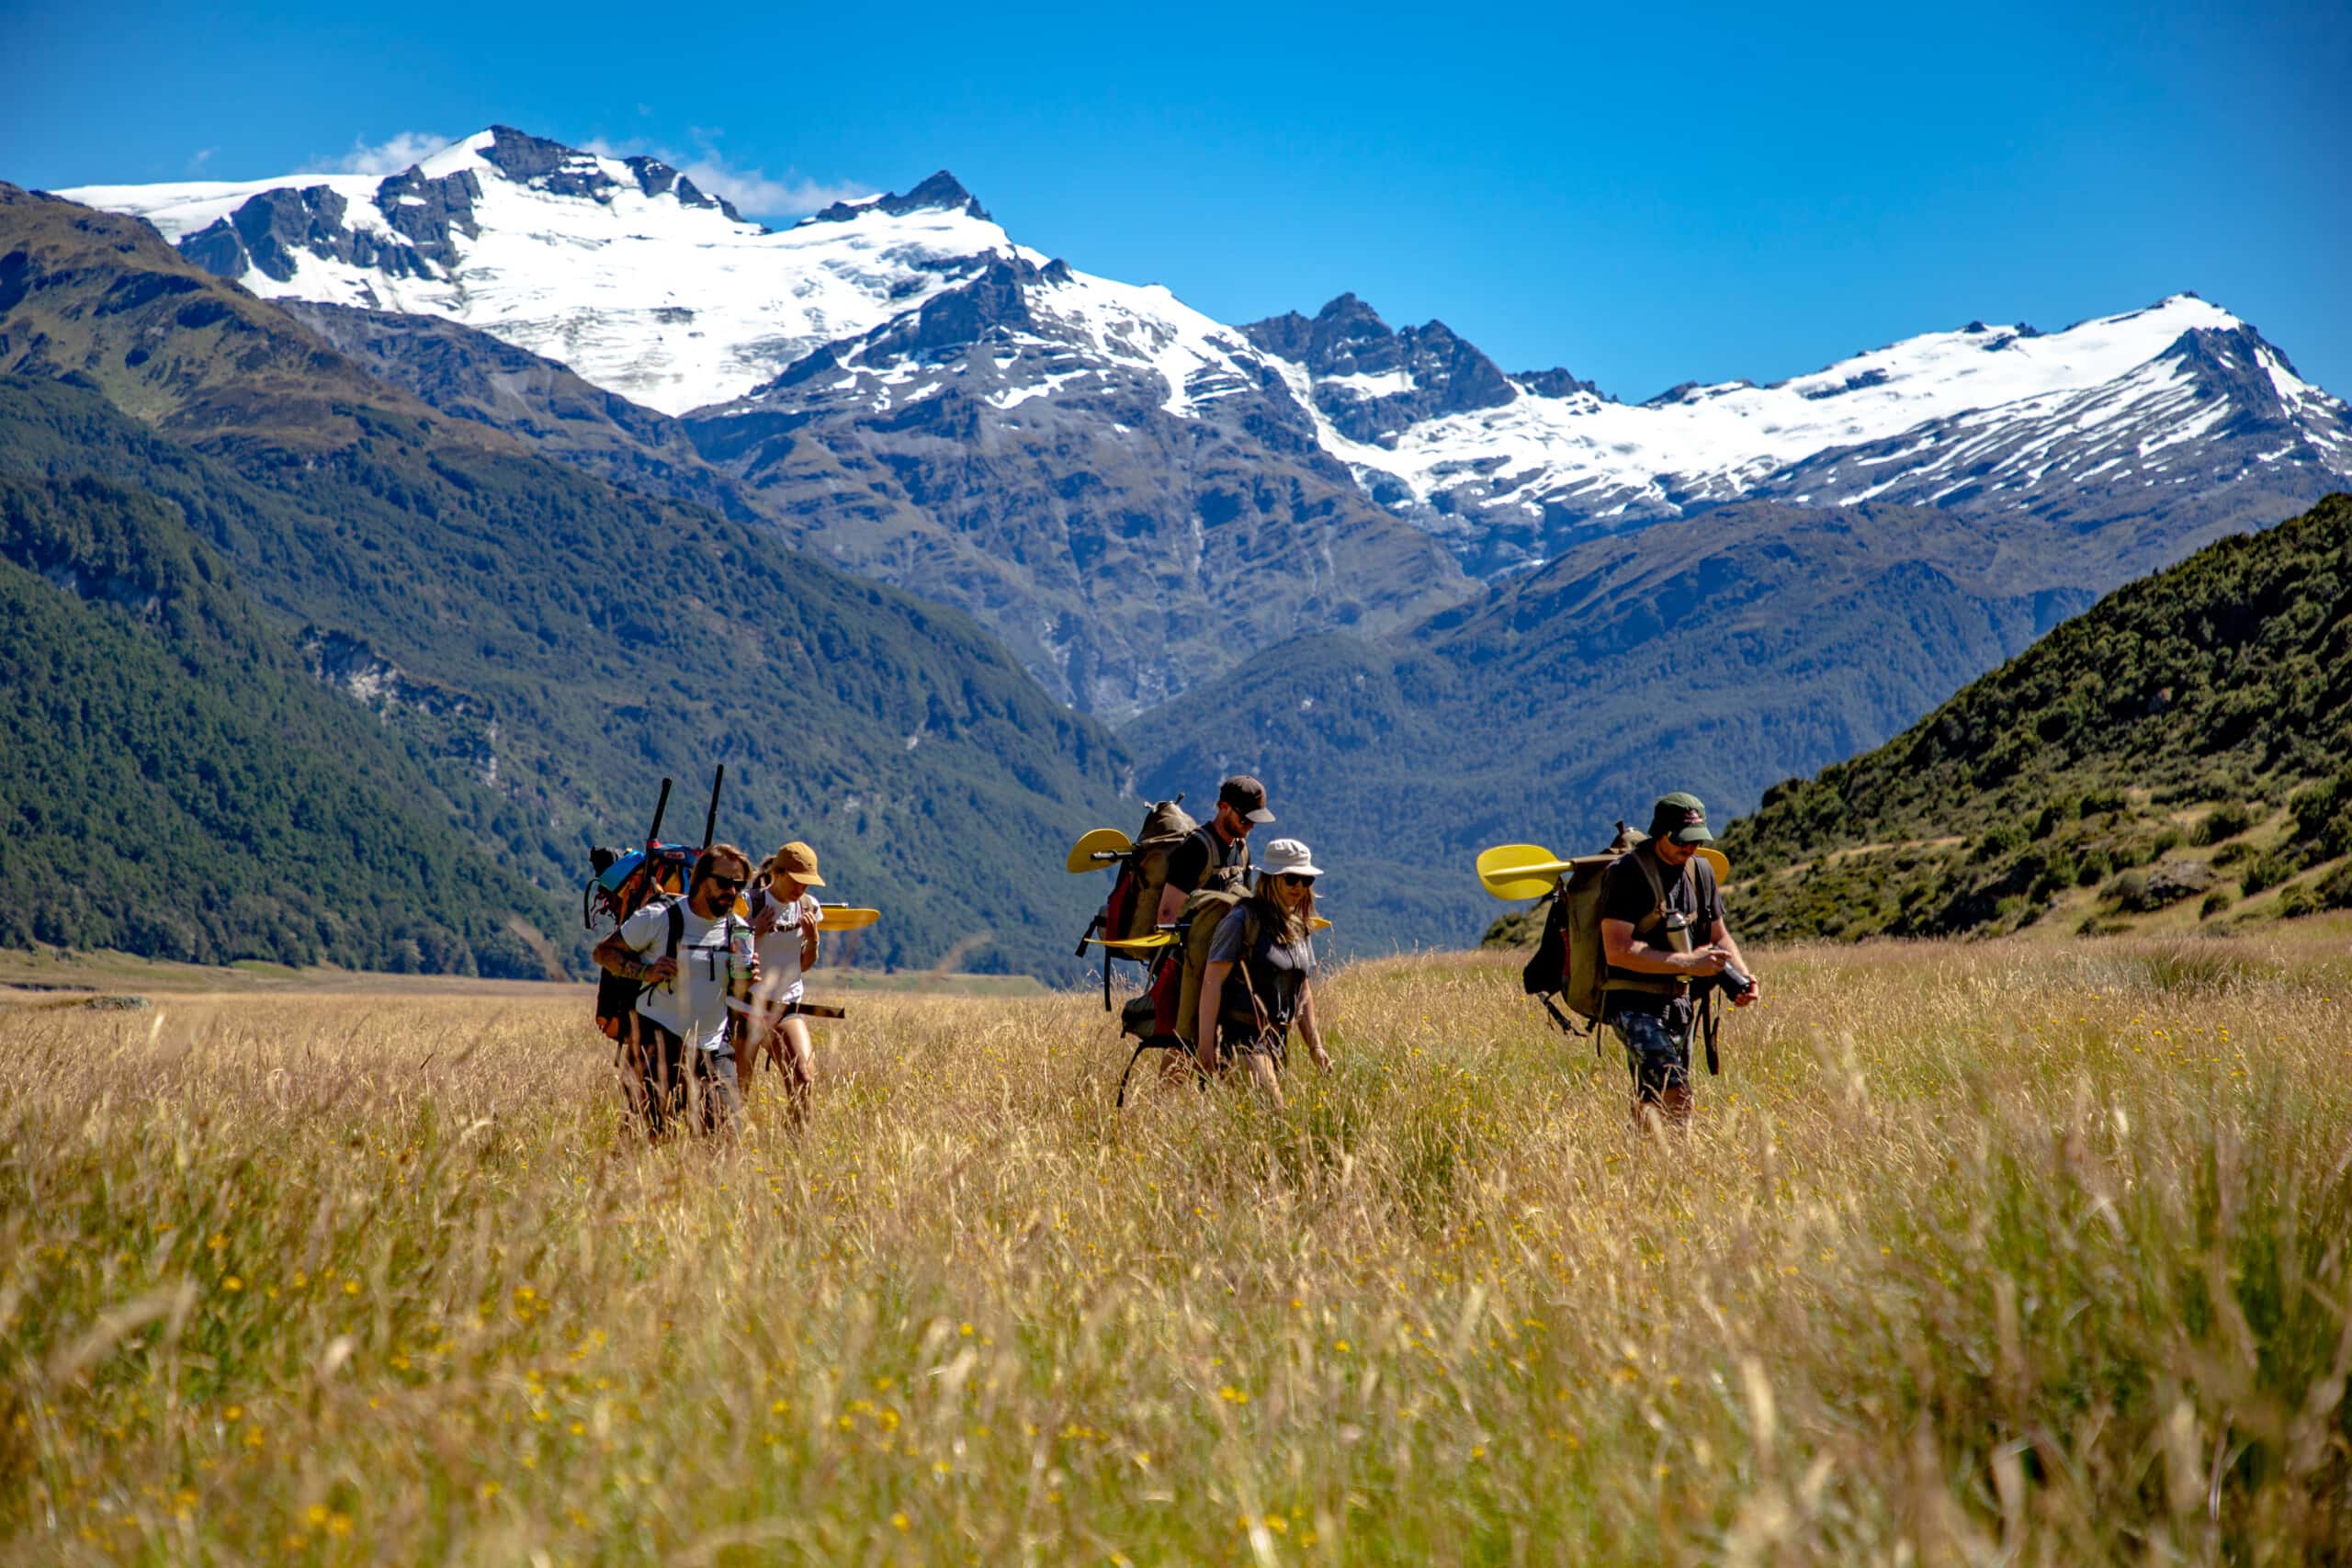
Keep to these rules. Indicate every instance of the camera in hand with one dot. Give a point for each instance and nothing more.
(1733, 981)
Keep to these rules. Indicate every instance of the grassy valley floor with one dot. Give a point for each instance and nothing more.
(2004, 1251)
(45, 976)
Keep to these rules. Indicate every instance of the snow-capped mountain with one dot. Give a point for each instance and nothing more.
(1123, 488)
(624, 271)
(619, 267)
(2216, 408)
(1509, 470)
(1135, 495)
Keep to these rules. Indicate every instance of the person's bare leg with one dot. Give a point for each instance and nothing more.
(797, 1057)
(1262, 1074)
(747, 1061)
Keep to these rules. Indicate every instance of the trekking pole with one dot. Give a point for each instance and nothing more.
(659, 806)
(710, 822)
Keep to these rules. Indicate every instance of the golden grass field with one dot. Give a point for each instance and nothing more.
(2002, 1253)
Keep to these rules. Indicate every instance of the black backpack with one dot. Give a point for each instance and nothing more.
(616, 996)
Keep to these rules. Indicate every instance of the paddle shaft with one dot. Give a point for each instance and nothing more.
(710, 819)
(660, 809)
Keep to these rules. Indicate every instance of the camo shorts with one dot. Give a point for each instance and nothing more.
(1657, 1049)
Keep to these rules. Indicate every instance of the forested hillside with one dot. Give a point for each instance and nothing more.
(179, 785)
(2181, 754)
(1713, 655)
(564, 642)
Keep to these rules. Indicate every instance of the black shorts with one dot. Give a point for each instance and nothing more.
(1242, 1037)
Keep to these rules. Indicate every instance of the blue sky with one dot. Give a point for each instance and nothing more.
(1645, 194)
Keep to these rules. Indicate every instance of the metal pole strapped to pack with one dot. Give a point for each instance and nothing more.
(710, 820)
(661, 807)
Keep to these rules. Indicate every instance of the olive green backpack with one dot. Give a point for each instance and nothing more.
(1133, 908)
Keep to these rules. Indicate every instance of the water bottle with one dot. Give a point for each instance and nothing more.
(739, 953)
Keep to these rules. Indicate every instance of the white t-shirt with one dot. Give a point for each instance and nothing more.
(694, 1005)
(780, 970)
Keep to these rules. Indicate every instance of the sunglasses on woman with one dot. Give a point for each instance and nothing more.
(1293, 879)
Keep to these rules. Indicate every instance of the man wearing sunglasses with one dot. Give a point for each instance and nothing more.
(685, 953)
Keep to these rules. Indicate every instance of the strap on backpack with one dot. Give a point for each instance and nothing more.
(1567, 1025)
(1611, 979)
(1251, 930)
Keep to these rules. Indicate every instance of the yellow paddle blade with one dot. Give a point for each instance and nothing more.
(839, 917)
(1317, 923)
(1097, 849)
(1136, 943)
(1520, 871)
(1714, 857)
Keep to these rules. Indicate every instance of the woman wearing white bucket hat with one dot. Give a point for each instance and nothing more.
(1256, 984)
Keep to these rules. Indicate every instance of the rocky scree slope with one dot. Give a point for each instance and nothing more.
(1118, 485)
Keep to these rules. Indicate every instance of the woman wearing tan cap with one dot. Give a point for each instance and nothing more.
(785, 918)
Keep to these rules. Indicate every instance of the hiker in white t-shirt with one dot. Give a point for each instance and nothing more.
(690, 954)
(784, 917)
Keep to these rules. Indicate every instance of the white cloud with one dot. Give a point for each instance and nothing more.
(753, 190)
(388, 157)
(197, 159)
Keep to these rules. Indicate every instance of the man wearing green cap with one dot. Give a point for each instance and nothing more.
(1653, 902)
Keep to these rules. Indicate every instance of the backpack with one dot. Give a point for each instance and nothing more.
(1133, 908)
(617, 996)
(1170, 1007)
(1568, 960)
(623, 883)
(1223, 878)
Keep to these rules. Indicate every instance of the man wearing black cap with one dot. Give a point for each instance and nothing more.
(1217, 853)
(1654, 901)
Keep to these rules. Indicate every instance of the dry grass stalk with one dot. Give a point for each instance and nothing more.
(1991, 1253)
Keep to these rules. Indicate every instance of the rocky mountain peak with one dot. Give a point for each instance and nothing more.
(1371, 379)
(548, 165)
(1350, 318)
(1558, 382)
(655, 177)
(942, 192)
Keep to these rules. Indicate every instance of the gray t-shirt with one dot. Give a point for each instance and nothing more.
(1277, 970)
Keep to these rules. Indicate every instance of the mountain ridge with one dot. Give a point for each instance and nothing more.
(1113, 424)
(1322, 545)
(453, 556)
(1504, 470)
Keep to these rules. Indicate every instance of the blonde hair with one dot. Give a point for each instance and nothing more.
(1292, 925)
